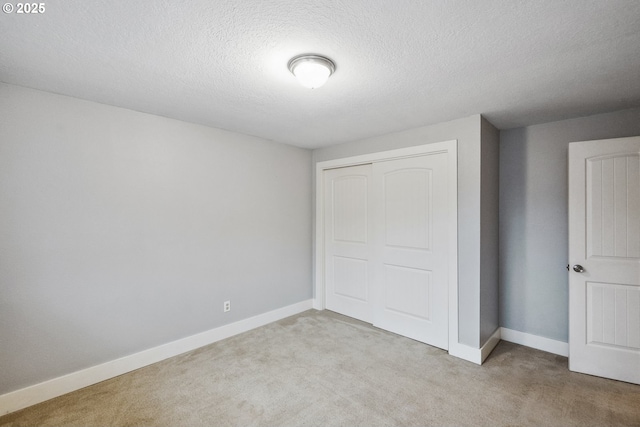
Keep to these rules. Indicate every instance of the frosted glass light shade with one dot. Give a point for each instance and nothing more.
(312, 71)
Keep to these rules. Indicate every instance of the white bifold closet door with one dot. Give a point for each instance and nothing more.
(386, 254)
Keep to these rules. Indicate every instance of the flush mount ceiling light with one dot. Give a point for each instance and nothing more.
(312, 71)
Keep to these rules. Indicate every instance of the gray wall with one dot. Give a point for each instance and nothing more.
(467, 132)
(533, 218)
(489, 184)
(121, 231)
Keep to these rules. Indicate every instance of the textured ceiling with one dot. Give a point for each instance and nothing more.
(400, 64)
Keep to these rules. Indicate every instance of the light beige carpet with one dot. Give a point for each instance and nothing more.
(323, 369)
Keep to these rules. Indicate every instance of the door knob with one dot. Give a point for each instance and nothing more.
(578, 268)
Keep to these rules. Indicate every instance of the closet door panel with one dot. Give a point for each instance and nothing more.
(409, 247)
(347, 241)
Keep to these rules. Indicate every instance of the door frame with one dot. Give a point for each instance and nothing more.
(449, 147)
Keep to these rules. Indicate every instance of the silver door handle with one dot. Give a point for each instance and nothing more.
(578, 268)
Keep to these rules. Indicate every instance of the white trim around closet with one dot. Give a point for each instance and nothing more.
(449, 147)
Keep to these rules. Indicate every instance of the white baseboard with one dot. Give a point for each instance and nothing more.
(465, 352)
(475, 355)
(37, 393)
(534, 341)
(491, 343)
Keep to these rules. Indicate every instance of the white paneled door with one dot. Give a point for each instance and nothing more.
(604, 252)
(386, 228)
(409, 260)
(347, 241)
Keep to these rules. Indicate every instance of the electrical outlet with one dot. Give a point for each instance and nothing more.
(227, 306)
